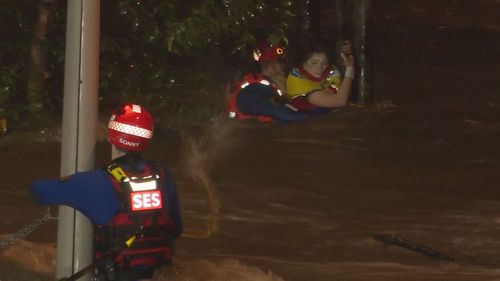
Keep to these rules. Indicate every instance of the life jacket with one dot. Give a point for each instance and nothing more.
(139, 233)
(232, 110)
(329, 79)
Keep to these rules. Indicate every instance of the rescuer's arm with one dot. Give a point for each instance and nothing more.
(173, 204)
(89, 192)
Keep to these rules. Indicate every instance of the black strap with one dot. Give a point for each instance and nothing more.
(80, 273)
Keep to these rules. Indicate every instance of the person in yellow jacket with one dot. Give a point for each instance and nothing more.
(261, 95)
(318, 85)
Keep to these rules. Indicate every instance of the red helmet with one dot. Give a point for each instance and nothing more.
(130, 127)
(265, 52)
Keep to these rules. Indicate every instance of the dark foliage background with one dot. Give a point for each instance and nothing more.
(16, 22)
(177, 57)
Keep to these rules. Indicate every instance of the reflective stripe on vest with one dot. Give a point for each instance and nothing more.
(142, 226)
(259, 78)
(251, 78)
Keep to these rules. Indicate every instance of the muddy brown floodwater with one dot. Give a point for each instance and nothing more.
(305, 201)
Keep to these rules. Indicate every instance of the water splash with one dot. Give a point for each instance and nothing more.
(199, 153)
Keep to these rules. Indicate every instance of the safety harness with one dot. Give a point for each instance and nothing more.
(232, 110)
(139, 233)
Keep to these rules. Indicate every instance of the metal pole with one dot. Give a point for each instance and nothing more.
(304, 22)
(314, 8)
(339, 24)
(80, 107)
(363, 53)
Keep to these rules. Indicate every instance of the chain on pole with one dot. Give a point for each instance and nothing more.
(25, 231)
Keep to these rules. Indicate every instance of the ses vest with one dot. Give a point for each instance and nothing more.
(232, 110)
(139, 233)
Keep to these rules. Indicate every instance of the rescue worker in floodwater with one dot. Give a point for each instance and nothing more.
(262, 95)
(132, 203)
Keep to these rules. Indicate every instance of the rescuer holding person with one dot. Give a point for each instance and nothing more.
(262, 95)
(132, 203)
(312, 89)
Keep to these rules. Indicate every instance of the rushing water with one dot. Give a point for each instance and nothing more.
(306, 201)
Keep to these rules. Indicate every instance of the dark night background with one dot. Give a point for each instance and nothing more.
(307, 201)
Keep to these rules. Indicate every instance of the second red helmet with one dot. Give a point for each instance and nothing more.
(266, 51)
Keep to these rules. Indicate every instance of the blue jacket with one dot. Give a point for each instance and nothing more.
(93, 194)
